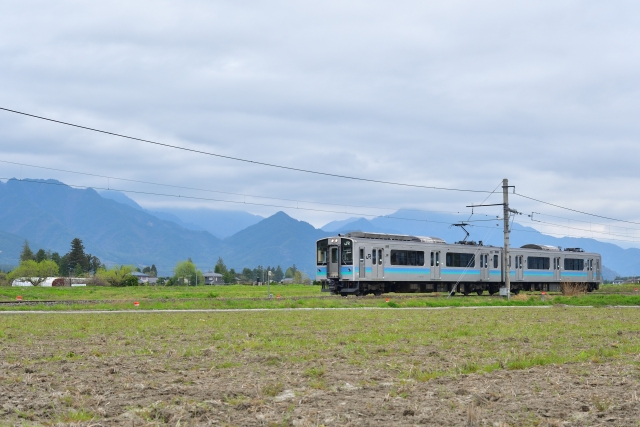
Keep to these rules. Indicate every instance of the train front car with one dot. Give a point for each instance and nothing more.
(334, 265)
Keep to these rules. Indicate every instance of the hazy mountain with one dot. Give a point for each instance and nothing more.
(116, 229)
(337, 225)
(52, 214)
(120, 198)
(220, 223)
(10, 248)
(278, 239)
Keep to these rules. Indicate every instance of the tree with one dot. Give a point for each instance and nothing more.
(78, 272)
(247, 275)
(291, 271)
(229, 277)
(300, 277)
(40, 256)
(151, 271)
(117, 275)
(77, 256)
(94, 263)
(220, 268)
(27, 253)
(55, 257)
(34, 272)
(278, 275)
(186, 273)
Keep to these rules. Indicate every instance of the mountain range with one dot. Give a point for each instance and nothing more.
(49, 214)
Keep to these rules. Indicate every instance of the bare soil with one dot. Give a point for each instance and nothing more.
(264, 390)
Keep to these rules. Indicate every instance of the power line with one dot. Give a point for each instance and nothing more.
(580, 229)
(246, 203)
(590, 223)
(217, 191)
(238, 159)
(575, 210)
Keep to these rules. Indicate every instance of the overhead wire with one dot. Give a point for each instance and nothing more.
(238, 159)
(575, 210)
(240, 202)
(218, 191)
(591, 223)
(580, 229)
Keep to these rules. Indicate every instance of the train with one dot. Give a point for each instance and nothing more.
(361, 263)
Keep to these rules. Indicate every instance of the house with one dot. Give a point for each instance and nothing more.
(142, 277)
(618, 282)
(213, 278)
(286, 281)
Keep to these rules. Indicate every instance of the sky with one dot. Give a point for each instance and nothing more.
(456, 94)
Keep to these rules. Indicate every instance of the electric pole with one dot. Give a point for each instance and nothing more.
(506, 212)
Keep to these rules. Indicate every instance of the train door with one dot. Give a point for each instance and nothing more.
(333, 264)
(435, 265)
(556, 268)
(361, 267)
(597, 270)
(589, 263)
(377, 263)
(484, 266)
(519, 268)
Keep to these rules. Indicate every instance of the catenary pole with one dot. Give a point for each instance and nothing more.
(506, 264)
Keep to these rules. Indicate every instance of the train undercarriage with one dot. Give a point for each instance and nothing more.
(360, 288)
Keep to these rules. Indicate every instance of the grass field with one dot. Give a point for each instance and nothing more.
(290, 296)
(626, 288)
(155, 292)
(385, 367)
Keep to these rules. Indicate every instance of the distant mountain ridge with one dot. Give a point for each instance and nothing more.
(220, 223)
(50, 214)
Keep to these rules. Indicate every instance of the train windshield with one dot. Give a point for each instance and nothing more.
(322, 251)
(347, 252)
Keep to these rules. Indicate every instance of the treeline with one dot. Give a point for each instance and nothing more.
(185, 273)
(259, 274)
(36, 267)
(75, 263)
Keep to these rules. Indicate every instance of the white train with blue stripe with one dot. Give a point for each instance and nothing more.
(362, 263)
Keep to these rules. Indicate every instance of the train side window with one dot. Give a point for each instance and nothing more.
(573, 264)
(432, 259)
(361, 255)
(538, 263)
(408, 257)
(454, 259)
(437, 259)
(373, 257)
(495, 261)
(380, 257)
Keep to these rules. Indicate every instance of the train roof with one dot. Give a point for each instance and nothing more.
(396, 237)
(540, 247)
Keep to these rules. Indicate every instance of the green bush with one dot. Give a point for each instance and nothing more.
(131, 281)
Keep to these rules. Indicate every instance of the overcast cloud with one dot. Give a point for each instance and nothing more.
(454, 94)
